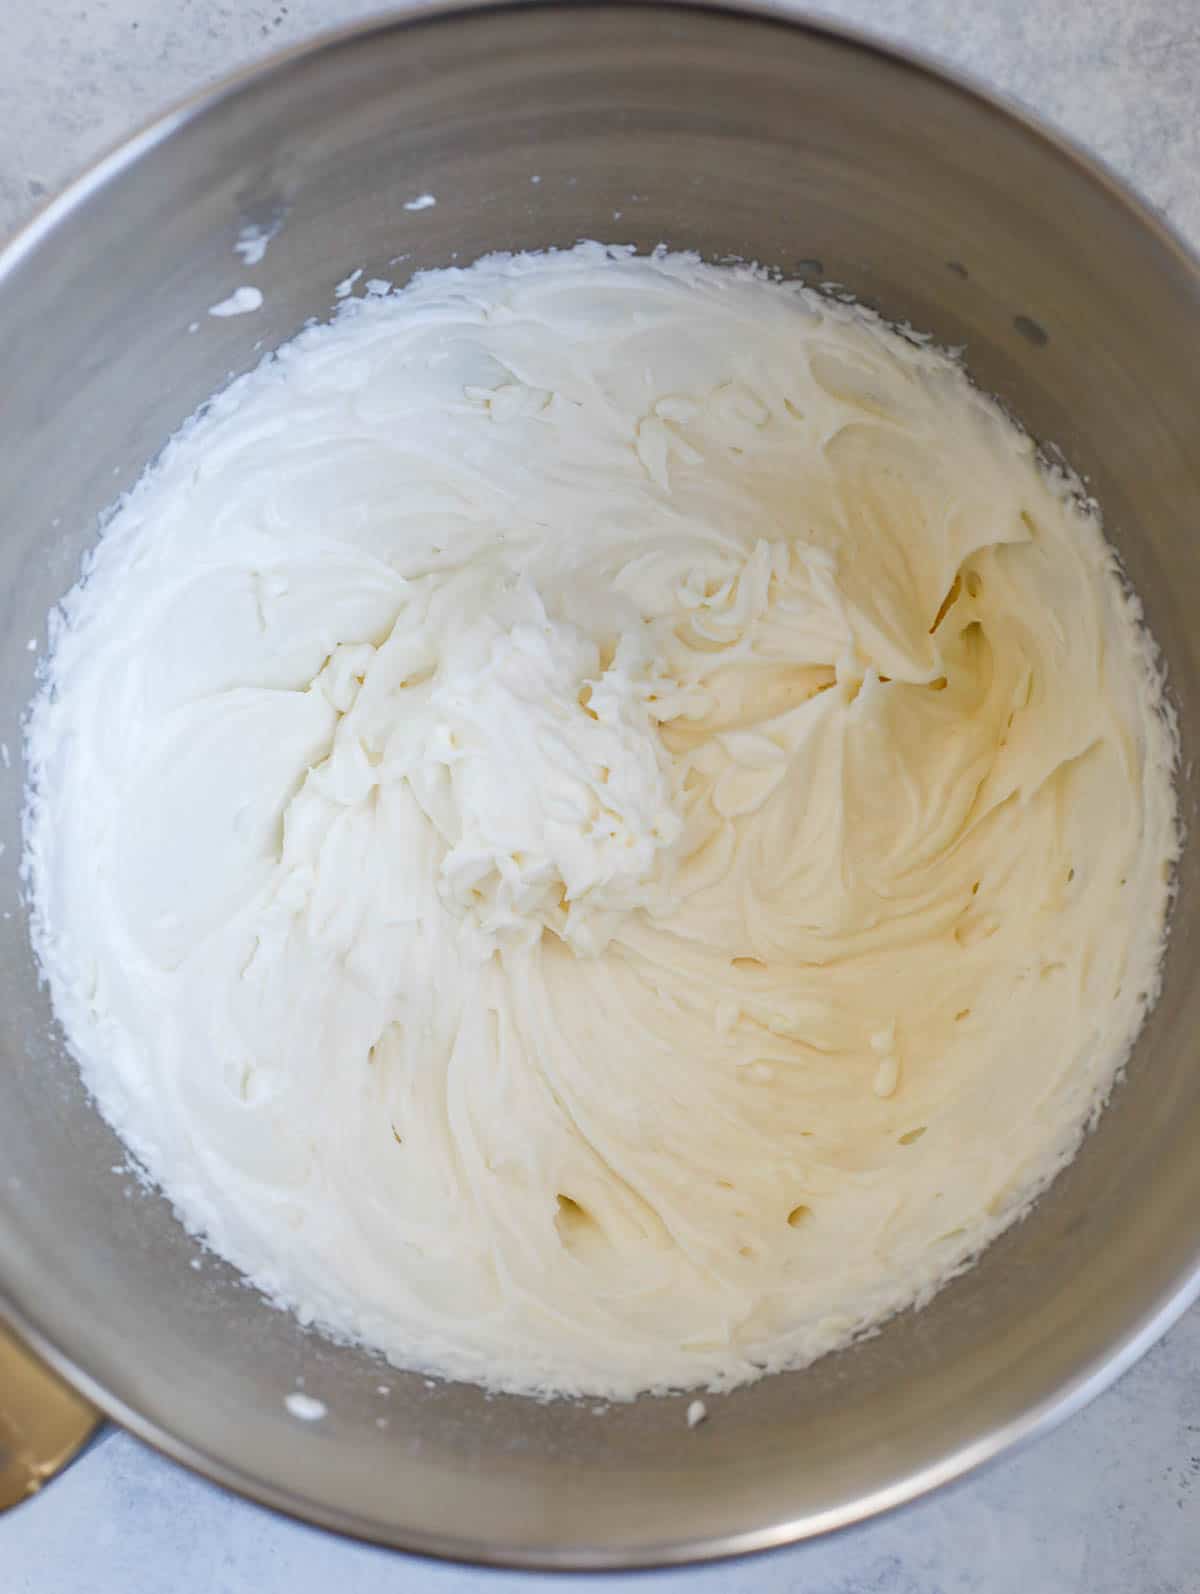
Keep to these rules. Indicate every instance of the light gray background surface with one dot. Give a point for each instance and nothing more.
(1108, 1504)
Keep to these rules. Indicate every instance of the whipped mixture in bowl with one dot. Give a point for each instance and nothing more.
(601, 823)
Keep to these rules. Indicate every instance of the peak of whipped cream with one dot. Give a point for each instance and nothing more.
(600, 823)
(531, 748)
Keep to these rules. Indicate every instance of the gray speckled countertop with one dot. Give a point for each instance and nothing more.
(1109, 1503)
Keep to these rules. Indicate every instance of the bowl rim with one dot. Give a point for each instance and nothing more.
(1093, 1376)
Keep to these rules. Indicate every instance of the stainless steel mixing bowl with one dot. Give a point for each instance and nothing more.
(736, 133)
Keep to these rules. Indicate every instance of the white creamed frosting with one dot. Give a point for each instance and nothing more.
(601, 823)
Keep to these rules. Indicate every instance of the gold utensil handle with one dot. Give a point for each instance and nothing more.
(43, 1422)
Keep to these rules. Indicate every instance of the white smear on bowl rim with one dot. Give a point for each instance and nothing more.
(306, 1407)
(252, 242)
(240, 302)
